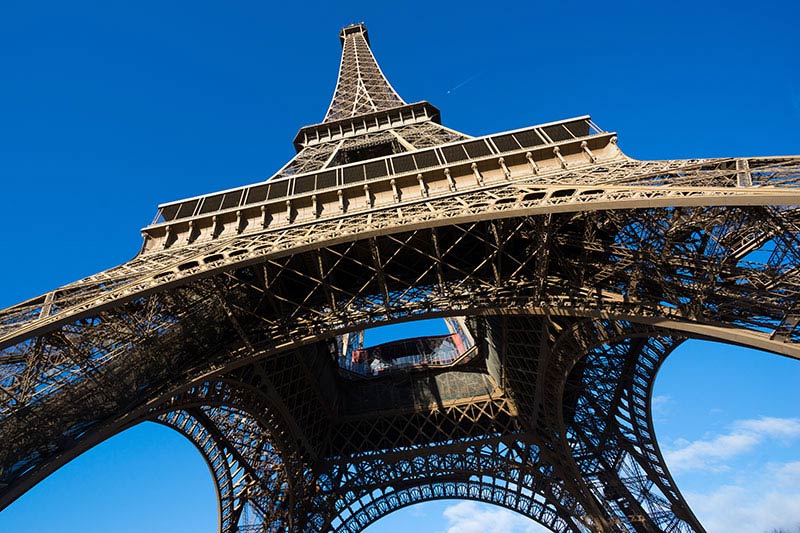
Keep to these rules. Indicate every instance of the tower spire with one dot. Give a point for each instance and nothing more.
(361, 87)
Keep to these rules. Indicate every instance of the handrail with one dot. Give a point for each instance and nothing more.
(535, 137)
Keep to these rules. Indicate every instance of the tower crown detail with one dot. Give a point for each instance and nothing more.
(352, 29)
(361, 87)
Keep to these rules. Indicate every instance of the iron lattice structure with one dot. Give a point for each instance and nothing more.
(576, 268)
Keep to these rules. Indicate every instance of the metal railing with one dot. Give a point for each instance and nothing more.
(347, 175)
(405, 354)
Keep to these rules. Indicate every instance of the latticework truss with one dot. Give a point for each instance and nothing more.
(361, 88)
(579, 271)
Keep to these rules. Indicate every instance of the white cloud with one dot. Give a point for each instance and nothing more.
(787, 474)
(745, 435)
(767, 501)
(473, 517)
(660, 400)
(661, 405)
(772, 427)
(759, 499)
(764, 499)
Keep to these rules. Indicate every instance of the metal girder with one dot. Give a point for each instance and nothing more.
(361, 87)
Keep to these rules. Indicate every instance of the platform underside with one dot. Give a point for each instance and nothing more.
(573, 314)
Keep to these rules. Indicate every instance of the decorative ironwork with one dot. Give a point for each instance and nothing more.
(575, 270)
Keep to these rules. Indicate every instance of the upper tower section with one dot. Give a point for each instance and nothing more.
(375, 152)
(361, 88)
(366, 110)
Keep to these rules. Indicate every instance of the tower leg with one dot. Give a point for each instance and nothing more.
(609, 428)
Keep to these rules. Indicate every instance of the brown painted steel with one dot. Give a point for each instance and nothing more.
(578, 268)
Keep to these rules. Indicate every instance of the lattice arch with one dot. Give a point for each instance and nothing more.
(467, 491)
(606, 410)
(504, 472)
(238, 431)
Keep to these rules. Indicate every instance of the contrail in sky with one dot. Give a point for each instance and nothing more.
(463, 83)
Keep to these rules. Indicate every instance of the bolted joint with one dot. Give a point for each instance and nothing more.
(506, 171)
(367, 195)
(532, 162)
(239, 221)
(450, 181)
(477, 173)
(557, 152)
(315, 205)
(423, 189)
(585, 148)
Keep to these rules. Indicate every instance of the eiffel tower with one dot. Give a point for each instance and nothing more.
(566, 272)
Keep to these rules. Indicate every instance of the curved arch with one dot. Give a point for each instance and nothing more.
(242, 479)
(613, 334)
(644, 331)
(581, 301)
(217, 462)
(608, 420)
(177, 338)
(507, 472)
(244, 441)
(247, 470)
(472, 491)
(208, 259)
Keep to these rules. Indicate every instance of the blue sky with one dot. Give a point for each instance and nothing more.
(109, 108)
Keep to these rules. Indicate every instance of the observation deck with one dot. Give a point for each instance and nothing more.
(405, 355)
(401, 179)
